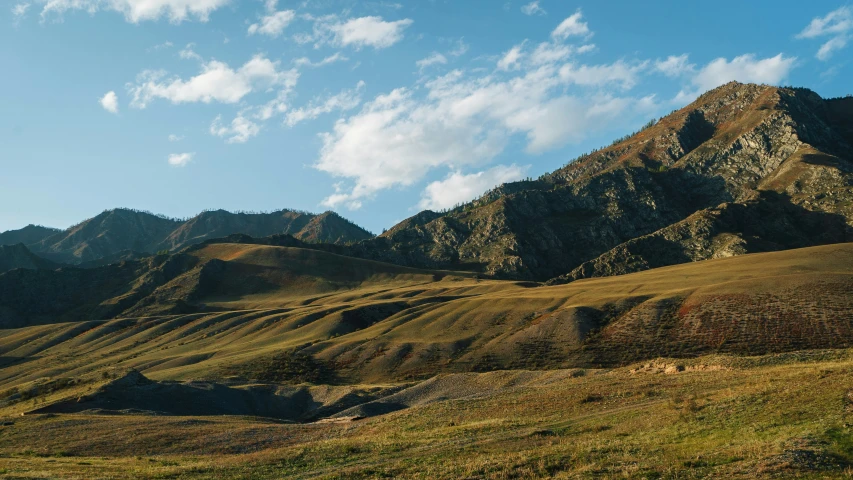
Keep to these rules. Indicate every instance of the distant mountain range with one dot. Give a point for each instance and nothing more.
(743, 169)
(123, 234)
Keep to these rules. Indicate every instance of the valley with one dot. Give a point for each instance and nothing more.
(678, 304)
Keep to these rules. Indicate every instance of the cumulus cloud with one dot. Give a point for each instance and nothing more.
(533, 8)
(217, 82)
(343, 101)
(20, 9)
(745, 68)
(274, 22)
(180, 159)
(371, 31)
(397, 138)
(511, 59)
(136, 11)
(175, 138)
(187, 53)
(433, 59)
(548, 52)
(240, 130)
(586, 48)
(573, 26)
(621, 73)
(674, 66)
(464, 119)
(838, 25)
(110, 102)
(459, 188)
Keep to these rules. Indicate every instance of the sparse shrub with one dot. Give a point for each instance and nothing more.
(286, 367)
(592, 398)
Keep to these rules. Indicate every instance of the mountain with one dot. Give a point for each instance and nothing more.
(106, 234)
(123, 234)
(27, 235)
(744, 168)
(327, 227)
(19, 256)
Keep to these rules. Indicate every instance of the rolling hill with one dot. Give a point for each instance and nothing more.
(223, 309)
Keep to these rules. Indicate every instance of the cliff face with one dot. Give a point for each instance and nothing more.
(745, 168)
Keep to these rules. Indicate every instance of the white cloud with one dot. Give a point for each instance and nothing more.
(397, 138)
(175, 138)
(343, 101)
(619, 72)
(533, 8)
(837, 24)
(571, 27)
(745, 68)
(160, 46)
(273, 25)
(110, 102)
(371, 31)
(827, 49)
(240, 130)
(217, 82)
(336, 57)
(458, 188)
(136, 11)
(20, 9)
(459, 49)
(674, 66)
(464, 119)
(586, 48)
(189, 54)
(180, 159)
(511, 59)
(434, 59)
(548, 52)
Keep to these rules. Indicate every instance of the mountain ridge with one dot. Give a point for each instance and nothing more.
(733, 145)
(121, 234)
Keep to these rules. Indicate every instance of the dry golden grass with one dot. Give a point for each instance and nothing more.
(721, 417)
(377, 325)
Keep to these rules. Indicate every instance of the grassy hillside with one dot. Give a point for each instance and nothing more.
(374, 322)
(783, 416)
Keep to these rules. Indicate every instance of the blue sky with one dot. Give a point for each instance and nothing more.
(373, 109)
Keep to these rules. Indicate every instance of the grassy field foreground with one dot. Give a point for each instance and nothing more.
(785, 415)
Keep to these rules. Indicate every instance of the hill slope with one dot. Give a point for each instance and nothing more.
(18, 256)
(231, 309)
